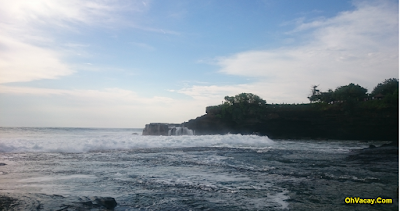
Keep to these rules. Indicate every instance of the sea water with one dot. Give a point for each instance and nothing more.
(210, 172)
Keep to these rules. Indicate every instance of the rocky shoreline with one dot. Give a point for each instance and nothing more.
(37, 201)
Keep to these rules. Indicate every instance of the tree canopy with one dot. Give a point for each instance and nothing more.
(239, 107)
(388, 90)
(245, 98)
(389, 86)
(350, 92)
(342, 93)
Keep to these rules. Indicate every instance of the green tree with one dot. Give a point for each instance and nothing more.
(328, 97)
(389, 90)
(245, 98)
(389, 86)
(351, 92)
(323, 97)
(229, 100)
(242, 106)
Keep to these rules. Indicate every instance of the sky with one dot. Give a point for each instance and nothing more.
(126, 63)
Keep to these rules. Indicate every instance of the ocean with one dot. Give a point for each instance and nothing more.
(66, 168)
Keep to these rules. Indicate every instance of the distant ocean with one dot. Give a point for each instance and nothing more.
(210, 172)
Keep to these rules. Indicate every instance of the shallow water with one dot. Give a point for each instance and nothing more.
(221, 172)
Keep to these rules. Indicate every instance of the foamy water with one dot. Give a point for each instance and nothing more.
(212, 172)
(78, 140)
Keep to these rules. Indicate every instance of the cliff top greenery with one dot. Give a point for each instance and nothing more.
(347, 113)
(350, 99)
(388, 91)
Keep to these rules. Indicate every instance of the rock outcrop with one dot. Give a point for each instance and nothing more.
(156, 129)
(166, 129)
(304, 121)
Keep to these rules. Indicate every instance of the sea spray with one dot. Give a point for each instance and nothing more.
(77, 140)
(85, 140)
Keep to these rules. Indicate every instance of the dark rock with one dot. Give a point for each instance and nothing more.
(6, 203)
(2, 164)
(305, 121)
(107, 202)
(209, 124)
(37, 201)
(162, 129)
(156, 129)
(386, 152)
(97, 202)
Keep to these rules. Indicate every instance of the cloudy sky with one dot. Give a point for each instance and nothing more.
(125, 63)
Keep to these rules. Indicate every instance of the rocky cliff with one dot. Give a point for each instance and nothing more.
(166, 129)
(306, 121)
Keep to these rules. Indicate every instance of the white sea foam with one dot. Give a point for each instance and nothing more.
(77, 140)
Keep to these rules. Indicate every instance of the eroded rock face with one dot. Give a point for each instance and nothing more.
(166, 129)
(156, 129)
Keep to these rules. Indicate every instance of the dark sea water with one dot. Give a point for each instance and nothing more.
(64, 168)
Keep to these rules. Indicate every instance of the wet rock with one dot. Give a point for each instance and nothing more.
(36, 201)
(98, 202)
(386, 152)
(165, 129)
(107, 202)
(6, 203)
(156, 129)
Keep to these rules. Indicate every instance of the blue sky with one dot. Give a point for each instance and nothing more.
(103, 63)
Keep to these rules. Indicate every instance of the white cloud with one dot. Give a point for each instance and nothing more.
(24, 62)
(27, 49)
(359, 46)
(63, 13)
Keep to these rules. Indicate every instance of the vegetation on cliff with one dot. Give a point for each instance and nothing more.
(348, 112)
(239, 108)
(387, 91)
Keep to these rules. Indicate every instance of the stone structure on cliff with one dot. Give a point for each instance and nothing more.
(166, 129)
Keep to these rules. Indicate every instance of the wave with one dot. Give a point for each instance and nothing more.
(77, 142)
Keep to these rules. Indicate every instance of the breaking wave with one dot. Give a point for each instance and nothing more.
(76, 140)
